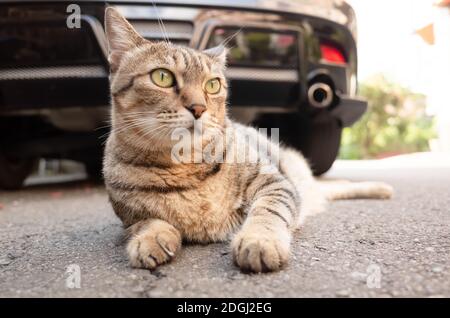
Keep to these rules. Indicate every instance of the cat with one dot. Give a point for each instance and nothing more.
(158, 87)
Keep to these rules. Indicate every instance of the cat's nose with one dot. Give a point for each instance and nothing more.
(196, 110)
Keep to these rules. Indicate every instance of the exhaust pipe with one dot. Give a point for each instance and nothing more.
(320, 95)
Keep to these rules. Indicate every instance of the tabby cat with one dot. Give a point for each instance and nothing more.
(158, 87)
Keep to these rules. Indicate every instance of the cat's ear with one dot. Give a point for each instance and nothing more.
(219, 53)
(121, 36)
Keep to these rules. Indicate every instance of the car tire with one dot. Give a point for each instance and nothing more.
(14, 171)
(322, 147)
(317, 138)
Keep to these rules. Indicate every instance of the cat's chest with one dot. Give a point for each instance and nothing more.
(205, 214)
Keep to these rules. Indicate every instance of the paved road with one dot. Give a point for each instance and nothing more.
(401, 246)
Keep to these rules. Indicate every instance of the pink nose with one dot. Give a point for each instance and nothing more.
(196, 110)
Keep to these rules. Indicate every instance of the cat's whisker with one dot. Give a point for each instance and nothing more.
(231, 37)
(169, 117)
(161, 24)
(102, 127)
(141, 142)
(148, 131)
(138, 115)
(128, 126)
(139, 118)
(176, 121)
(116, 130)
(213, 124)
(143, 112)
(131, 121)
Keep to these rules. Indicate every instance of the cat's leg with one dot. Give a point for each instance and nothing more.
(295, 167)
(152, 242)
(263, 243)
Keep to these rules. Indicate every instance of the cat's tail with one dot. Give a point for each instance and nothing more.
(316, 193)
(347, 190)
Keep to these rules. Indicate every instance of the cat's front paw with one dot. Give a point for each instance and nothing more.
(260, 252)
(154, 245)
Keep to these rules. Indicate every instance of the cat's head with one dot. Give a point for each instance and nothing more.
(157, 87)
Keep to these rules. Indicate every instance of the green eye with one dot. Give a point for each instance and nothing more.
(213, 86)
(163, 78)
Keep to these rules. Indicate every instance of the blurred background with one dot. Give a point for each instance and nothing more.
(397, 51)
(404, 62)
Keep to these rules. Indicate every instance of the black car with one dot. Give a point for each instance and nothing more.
(292, 66)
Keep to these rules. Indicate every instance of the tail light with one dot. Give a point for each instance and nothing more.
(332, 54)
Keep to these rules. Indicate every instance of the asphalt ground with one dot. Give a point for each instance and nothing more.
(365, 248)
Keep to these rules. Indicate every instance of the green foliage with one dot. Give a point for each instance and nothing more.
(394, 123)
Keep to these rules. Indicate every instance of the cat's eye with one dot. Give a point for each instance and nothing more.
(163, 78)
(212, 86)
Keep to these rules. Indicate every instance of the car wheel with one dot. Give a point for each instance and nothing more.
(322, 147)
(14, 171)
(317, 138)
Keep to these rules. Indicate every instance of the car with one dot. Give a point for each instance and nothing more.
(292, 65)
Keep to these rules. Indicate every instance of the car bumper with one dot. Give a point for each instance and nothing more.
(349, 110)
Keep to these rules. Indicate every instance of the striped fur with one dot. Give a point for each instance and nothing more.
(162, 203)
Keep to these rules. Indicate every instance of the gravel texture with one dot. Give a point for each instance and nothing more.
(357, 248)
